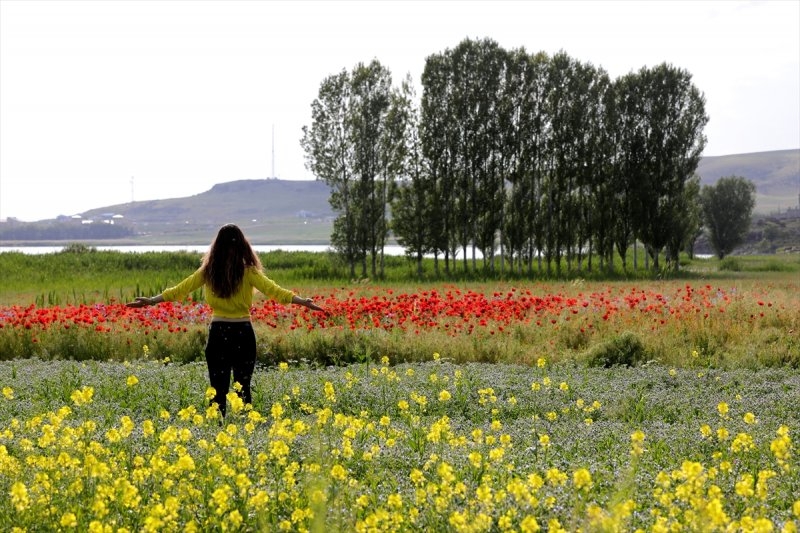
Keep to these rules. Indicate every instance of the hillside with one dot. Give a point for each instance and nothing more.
(270, 211)
(273, 211)
(234, 201)
(775, 174)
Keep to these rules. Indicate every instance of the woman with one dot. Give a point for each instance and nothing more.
(229, 272)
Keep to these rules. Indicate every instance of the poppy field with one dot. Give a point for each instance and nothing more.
(572, 406)
(672, 323)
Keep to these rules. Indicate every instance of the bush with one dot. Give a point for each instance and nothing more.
(730, 264)
(625, 349)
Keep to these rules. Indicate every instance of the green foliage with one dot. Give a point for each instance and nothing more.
(62, 230)
(730, 264)
(625, 349)
(727, 210)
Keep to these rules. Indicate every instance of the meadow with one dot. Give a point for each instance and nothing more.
(470, 405)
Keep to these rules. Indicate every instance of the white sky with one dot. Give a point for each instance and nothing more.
(181, 95)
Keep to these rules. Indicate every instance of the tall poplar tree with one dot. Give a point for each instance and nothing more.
(329, 156)
(438, 134)
(673, 117)
(367, 124)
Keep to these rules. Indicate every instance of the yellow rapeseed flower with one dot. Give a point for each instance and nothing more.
(69, 520)
(330, 393)
(582, 479)
(236, 402)
(82, 396)
(745, 486)
(761, 483)
(496, 454)
(19, 496)
(529, 525)
(637, 443)
(338, 472)
(742, 443)
(555, 477)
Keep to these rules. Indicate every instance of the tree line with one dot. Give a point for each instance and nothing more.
(535, 161)
(48, 231)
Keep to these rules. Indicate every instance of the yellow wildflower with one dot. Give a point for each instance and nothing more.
(19, 496)
(338, 472)
(582, 479)
(529, 525)
(69, 520)
(637, 443)
(544, 441)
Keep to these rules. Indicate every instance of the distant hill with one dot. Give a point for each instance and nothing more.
(775, 174)
(273, 211)
(233, 201)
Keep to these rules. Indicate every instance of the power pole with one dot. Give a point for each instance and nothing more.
(273, 152)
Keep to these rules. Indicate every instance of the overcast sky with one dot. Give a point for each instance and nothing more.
(102, 102)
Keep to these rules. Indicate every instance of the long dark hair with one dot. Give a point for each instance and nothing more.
(226, 259)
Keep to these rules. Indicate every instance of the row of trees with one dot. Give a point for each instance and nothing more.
(532, 160)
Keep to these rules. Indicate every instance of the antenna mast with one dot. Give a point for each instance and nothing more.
(273, 152)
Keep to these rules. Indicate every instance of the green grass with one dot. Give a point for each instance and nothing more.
(81, 274)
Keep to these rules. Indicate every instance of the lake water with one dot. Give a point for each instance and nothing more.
(202, 248)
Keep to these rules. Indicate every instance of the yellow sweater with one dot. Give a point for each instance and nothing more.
(238, 304)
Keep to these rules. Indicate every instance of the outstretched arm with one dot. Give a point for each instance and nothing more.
(307, 302)
(143, 301)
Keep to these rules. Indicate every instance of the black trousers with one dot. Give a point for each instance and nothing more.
(231, 347)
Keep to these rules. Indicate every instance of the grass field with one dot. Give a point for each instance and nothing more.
(473, 405)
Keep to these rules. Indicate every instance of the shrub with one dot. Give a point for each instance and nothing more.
(730, 264)
(625, 349)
